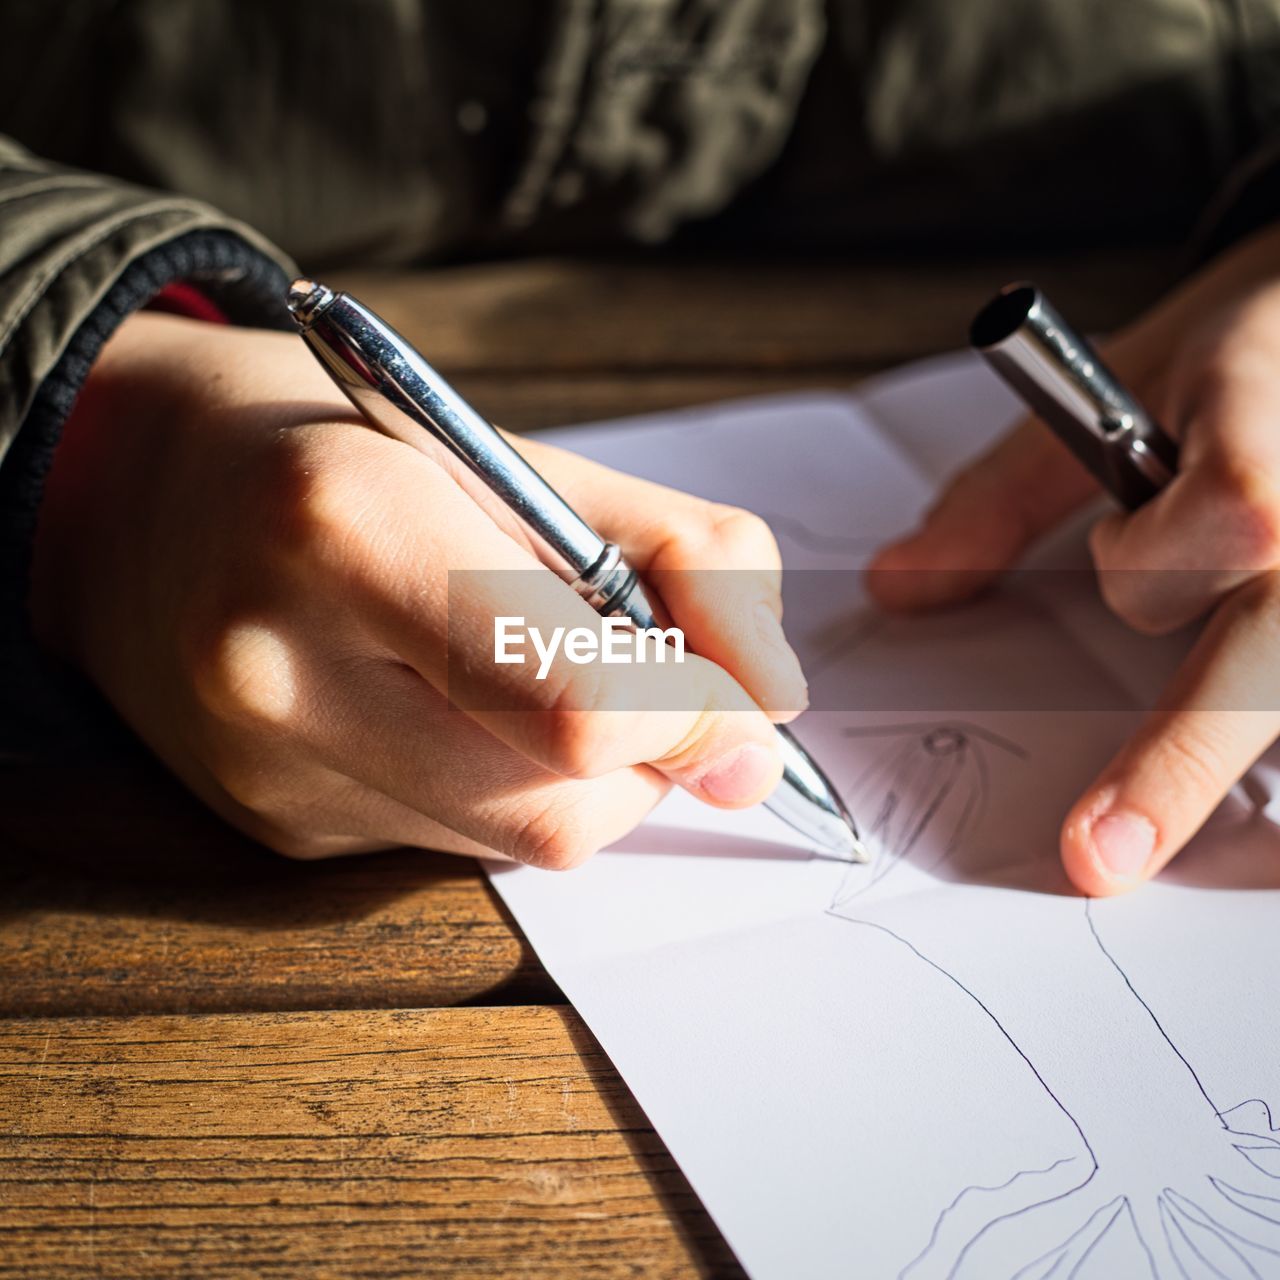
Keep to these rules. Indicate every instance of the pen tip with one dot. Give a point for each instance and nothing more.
(854, 850)
(852, 847)
(844, 844)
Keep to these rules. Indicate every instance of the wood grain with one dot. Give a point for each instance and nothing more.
(550, 317)
(521, 401)
(478, 1142)
(119, 893)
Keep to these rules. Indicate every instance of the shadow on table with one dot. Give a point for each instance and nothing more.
(682, 1206)
(120, 892)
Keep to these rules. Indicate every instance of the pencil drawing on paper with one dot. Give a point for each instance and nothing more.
(1106, 1198)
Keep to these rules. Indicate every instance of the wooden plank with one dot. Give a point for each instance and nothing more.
(547, 316)
(520, 401)
(478, 1142)
(120, 893)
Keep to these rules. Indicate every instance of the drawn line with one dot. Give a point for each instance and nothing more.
(1062, 1253)
(1013, 1044)
(901, 768)
(1266, 1110)
(930, 812)
(1084, 1257)
(1017, 1213)
(901, 851)
(1207, 1223)
(900, 771)
(1229, 1193)
(1003, 1186)
(1093, 929)
(1186, 1225)
(1168, 1239)
(1141, 1239)
(1231, 1231)
(1269, 1149)
(958, 726)
(1176, 1223)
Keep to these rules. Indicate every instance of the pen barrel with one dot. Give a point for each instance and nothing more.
(401, 394)
(1056, 370)
(397, 391)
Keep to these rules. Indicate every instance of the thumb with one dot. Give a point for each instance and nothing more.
(1219, 715)
(983, 521)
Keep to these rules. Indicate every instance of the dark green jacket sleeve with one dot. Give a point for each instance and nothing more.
(78, 253)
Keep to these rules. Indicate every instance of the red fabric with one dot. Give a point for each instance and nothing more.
(75, 465)
(182, 299)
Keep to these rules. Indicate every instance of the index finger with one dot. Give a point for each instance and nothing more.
(716, 568)
(986, 517)
(430, 575)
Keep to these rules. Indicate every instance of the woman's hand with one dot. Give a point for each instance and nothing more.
(260, 584)
(1206, 362)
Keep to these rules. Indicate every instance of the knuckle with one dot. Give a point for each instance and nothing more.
(278, 808)
(1194, 758)
(319, 515)
(266, 809)
(243, 673)
(1122, 592)
(1259, 602)
(252, 788)
(289, 484)
(575, 746)
(1249, 502)
(747, 535)
(555, 838)
(317, 490)
(296, 845)
(576, 736)
(700, 533)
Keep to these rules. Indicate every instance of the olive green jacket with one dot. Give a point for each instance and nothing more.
(156, 141)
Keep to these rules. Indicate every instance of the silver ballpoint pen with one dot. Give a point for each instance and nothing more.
(402, 395)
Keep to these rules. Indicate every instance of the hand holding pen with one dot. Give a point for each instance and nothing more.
(258, 582)
(1200, 539)
(402, 395)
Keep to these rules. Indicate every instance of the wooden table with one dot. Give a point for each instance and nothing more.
(214, 1062)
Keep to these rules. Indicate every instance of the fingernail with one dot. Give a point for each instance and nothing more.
(1123, 844)
(739, 776)
(792, 688)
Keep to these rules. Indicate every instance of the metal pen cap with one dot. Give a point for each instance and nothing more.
(391, 384)
(1059, 374)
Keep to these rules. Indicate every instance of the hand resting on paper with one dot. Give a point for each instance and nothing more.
(260, 585)
(1206, 362)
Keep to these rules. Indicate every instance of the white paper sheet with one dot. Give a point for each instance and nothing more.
(942, 1064)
